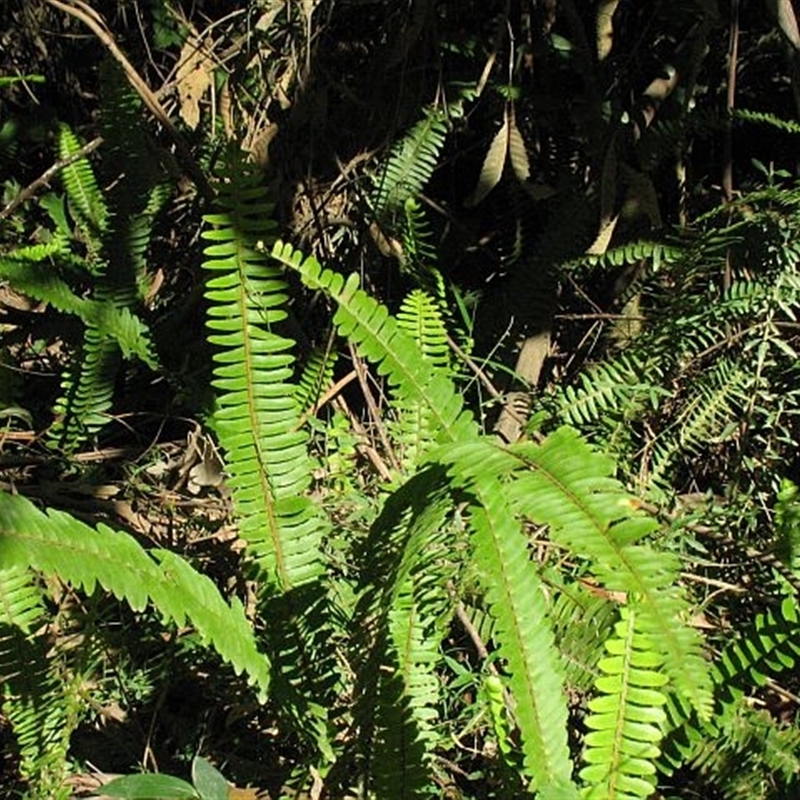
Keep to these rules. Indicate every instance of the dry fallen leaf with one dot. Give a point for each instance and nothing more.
(195, 73)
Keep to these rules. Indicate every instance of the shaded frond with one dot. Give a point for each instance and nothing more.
(86, 201)
(411, 162)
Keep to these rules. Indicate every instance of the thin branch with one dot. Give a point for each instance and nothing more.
(44, 179)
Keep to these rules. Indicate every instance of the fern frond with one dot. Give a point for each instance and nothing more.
(315, 379)
(83, 192)
(517, 602)
(766, 649)
(257, 417)
(571, 490)
(58, 544)
(582, 621)
(610, 390)
(658, 253)
(87, 392)
(708, 415)
(765, 118)
(626, 718)
(411, 162)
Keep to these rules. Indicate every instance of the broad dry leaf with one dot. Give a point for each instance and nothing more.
(517, 151)
(605, 27)
(492, 169)
(193, 79)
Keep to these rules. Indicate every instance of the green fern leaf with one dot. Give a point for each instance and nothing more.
(257, 418)
(626, 718)
(57, 544)
(370, 326)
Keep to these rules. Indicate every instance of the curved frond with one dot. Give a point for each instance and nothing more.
(369, 325)
(58, 544)
(571, 490)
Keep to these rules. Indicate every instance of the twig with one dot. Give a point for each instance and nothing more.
(44, 179)
(372, 407)
(363, 445)
(86, 14)
(730, 102)
(478, 372)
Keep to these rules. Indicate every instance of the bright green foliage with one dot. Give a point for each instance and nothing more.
(570, 489)
(379, 338)
(57, 544)
(787, 524)
(626, 718)
(43, 702)
(257, 415)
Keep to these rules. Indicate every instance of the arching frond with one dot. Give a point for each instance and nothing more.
(57, 544)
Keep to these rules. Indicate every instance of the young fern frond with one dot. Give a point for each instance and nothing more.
(315, 378)
(20, 598)
(420, 318)
(115, 244)
(57, 544)
(257, 416)
(86, 201)
(626, 716)
(27, 275)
